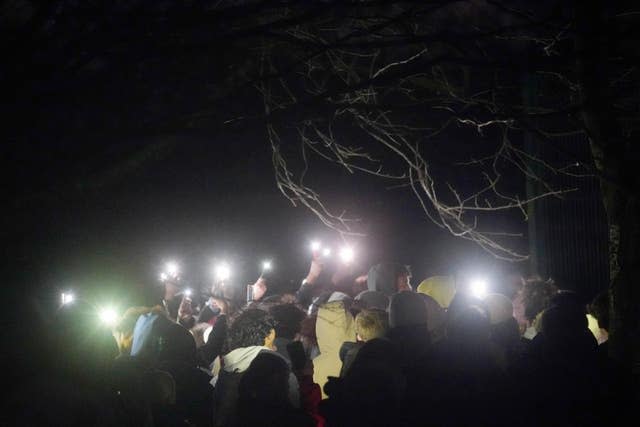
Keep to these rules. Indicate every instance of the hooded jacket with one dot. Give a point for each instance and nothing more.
(440, 288)
(234, 364)
(334, 326)
(383, 278)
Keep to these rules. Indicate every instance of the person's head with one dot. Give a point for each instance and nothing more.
(374, 386)
(177, 345)
(499, 308)
(288, 318)
(123, 331)
(470, 328)
(407, 309)
(251, 327)
(371, 324)
(536, 296)
(265, 382)
(389, 278)
(460, 302)
(371, 300)
(504, 327)
(565, 317)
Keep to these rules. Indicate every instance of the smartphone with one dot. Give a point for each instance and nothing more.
(249, 293)
(297, 355)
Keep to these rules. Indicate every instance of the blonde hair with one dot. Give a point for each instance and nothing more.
(371, 324)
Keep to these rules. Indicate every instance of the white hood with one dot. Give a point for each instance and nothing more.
(239, 359)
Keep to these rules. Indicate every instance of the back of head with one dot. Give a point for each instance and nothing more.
(288, 318)
(371, 300)
(249, 328)
(178, 345)
(266, 381)
(536, 296)
(149, 335)
(372, 324)
(340, 296)
(565, 318)
(374, 385)
(499, 308)
(407, 309)
(504, 327)
(460, 302)
(440, 288)
(125, 326)
(470, 329)
(383, 277)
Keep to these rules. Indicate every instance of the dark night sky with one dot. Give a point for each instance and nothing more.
(207, 197)
(100, 190)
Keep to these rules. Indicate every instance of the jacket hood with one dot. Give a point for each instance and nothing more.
(383, 277)
(149, 327)
(334, 326)
(239, 359)
(440, 288)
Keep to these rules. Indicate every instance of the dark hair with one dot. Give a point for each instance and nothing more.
(536, 296)
(177, 345)
(288, 319)
(470, 330)
(250, 327)
(266, 380)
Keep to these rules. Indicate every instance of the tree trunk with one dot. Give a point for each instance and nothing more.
(617, 163)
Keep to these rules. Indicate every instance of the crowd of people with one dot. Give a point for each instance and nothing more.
(341, 350)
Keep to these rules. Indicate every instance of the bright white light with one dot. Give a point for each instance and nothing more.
(347, 255)
(67, 298)
(326, 252)
(163, 277)
(478, 287)
(187, 292)
(223, 272)
(315, 245)
(172, 269)
(108, 316)
(266, 265)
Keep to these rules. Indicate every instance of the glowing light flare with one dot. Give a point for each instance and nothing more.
(223, 272)
(187, 292)
(172, 269)
(163, 277)
(67, 298)
(347, 254)
(478, 287)
(316, 245)
(266, 266)
(108, 316)
(326, 252)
